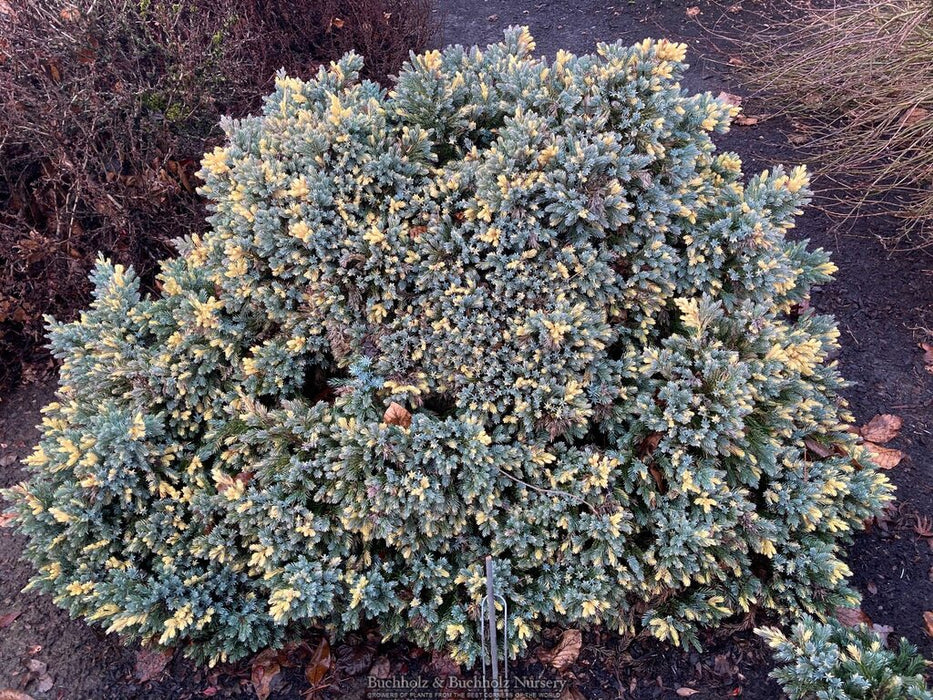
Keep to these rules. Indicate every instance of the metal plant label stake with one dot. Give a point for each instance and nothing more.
(488, 617)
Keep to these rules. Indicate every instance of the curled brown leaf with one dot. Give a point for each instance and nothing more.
(817, 448)
(730, 99)
(566, 652)
(264, 669)
(882, 428)
(150, 664)
(852, 617)
(884, 457)
(10, 694)
(396, 414)
(319, 664)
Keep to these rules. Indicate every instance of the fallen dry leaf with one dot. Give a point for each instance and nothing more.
(264, 669)
(693, 11)
(881, 428)
(443, 666)
(6, 519)
(572, 693)
(381, 669)
(319, 664)
(889, 515)
(884, 457)
(927, 356)
(883, 631)
(37, 667)
(798, 139)
(566, 652)
(817, 448)
(812, 99)
(649, 444)
(686, 692)
(396, 414)
(915, 114)
(86, 56)
(10, 694)
(150, 664)
(736, 61)
(353, 659)
(337, 22)
(923, 525)
(658, 479)
(722, 666)
(39, 673)
(729, 98)
(7, 618)
(852, 617)
(742, 120)
(928, 622)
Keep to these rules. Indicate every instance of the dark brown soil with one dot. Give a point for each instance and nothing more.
(881, 300)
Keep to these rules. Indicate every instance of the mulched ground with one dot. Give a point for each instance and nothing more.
(881, 300)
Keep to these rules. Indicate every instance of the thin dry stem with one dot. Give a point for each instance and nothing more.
(861, 74)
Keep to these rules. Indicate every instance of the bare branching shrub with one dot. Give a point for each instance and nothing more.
(107, 108)
(382, 31)
(863, 72)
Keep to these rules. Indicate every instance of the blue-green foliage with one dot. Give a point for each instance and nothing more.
(828, 661)
(587, 312)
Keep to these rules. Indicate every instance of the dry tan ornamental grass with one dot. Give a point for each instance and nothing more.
(863, 72)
